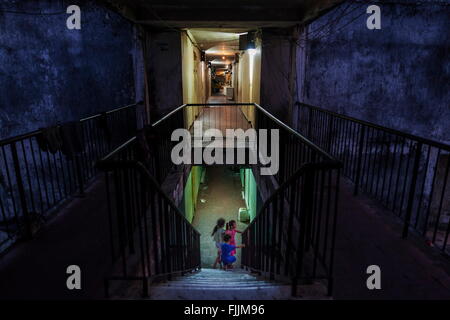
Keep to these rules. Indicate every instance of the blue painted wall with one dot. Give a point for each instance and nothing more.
(398, 76)
(50, 74)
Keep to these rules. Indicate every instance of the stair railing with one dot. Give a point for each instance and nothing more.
(42, 169)
(293, 235)
(407, 174)
(149, 237)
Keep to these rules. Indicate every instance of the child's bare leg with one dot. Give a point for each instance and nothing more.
(217, 260)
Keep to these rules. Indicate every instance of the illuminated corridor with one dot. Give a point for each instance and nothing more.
(222, 195)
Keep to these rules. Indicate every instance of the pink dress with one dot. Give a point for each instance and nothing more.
(232, 234)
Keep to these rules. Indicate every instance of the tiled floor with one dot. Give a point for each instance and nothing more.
(222, 194)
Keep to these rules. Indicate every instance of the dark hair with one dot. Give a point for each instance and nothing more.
(220, 224)
(226, 238)
(230, 224)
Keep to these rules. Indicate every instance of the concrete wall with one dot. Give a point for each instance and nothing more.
(164, 77)
(51, 74)
(275, 70)
(397, 76)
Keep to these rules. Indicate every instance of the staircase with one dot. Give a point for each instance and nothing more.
(237, 284)
(153, 244)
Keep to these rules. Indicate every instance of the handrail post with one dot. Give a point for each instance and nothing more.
(22, 195)
(79, 175)
(310, 119)
(412, 190)
(330, 133)
(304, 221)
(307, 207)
(359, 164)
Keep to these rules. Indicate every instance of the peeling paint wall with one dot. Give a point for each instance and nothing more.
(397, 76)
(51, 74)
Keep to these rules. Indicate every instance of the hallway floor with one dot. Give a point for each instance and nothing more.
(78, 235)
(222, 192)
(369, 235)
(218, 98)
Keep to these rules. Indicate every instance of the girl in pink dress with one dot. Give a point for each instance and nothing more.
(231, 230)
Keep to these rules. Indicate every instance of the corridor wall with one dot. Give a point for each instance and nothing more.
(250, 191)
(249, 79)
(191, 190)
(194, 73)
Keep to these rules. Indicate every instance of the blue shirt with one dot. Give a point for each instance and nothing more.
(226, 250)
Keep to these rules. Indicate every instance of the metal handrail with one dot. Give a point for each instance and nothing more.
(407, 174)
(168, 115)
(111, 111)
(297, 134)
(107, 164)
(288, 209)
(135, 221)
(433, 143)
(268, 114)
(36, 132)
(40, 179)
(305, 167)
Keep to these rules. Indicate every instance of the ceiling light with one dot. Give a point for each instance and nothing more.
(251, 51)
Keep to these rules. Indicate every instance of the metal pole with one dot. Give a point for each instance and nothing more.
(23, 199)
(360, 153)
(412, 191)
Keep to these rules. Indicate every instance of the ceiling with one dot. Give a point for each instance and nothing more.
(236, 14)
(209, 38)
(215, 25)
(220, 45)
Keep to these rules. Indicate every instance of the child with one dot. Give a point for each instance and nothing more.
(227, 248)
(217, 235)
(231, 230)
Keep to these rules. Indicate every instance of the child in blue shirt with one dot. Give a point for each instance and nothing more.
(226, 249)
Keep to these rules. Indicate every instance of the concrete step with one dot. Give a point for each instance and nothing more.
(237, 284)
(218, 286)
(207, 281)
(217, 278)
(240, 293)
